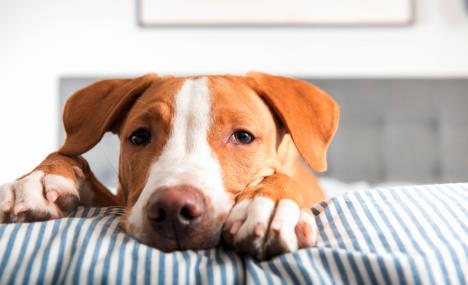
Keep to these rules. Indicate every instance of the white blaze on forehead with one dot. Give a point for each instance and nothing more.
(187, 158)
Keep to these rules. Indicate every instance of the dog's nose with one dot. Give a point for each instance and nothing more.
(175, 209)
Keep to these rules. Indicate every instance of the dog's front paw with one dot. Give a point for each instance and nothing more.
(266, 225)
(37, 197)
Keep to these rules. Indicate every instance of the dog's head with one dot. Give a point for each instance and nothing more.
(189, 145)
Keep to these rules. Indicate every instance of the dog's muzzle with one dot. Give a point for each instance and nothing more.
(179, 217)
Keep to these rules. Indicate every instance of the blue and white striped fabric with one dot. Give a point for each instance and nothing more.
(407, 235)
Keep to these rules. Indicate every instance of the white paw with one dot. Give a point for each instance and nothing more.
(262, 228)
(37, 197)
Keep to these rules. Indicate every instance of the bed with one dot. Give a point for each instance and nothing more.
(390, 235)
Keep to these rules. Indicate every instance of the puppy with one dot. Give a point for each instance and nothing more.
(202, 159)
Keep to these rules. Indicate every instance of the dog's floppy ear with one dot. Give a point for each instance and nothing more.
(310, 115)
(97, 109)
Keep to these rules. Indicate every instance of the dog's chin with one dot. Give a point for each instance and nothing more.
(190, 242)
(195, 239)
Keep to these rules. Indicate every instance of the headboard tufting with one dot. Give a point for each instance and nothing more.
(413, 130)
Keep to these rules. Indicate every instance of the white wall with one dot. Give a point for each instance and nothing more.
(41, 41)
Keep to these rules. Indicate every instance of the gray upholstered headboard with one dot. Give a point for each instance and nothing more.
(405, 130)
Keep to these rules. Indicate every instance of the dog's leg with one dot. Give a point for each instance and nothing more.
(270, 219)
(52, 190)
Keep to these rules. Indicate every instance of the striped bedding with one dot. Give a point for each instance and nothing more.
(406, 235)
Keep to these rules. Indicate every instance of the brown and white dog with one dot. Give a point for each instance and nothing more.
(202, 159)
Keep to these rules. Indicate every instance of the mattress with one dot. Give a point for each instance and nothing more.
(398, 235)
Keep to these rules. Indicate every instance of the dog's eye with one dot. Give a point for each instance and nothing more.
(140, 137)
(241, 137)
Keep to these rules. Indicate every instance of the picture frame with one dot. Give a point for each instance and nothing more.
(275, 12)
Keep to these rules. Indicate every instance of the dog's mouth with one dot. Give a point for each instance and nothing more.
(203, 235)
(177, 218)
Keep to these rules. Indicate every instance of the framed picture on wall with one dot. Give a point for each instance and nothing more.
(275, 12)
